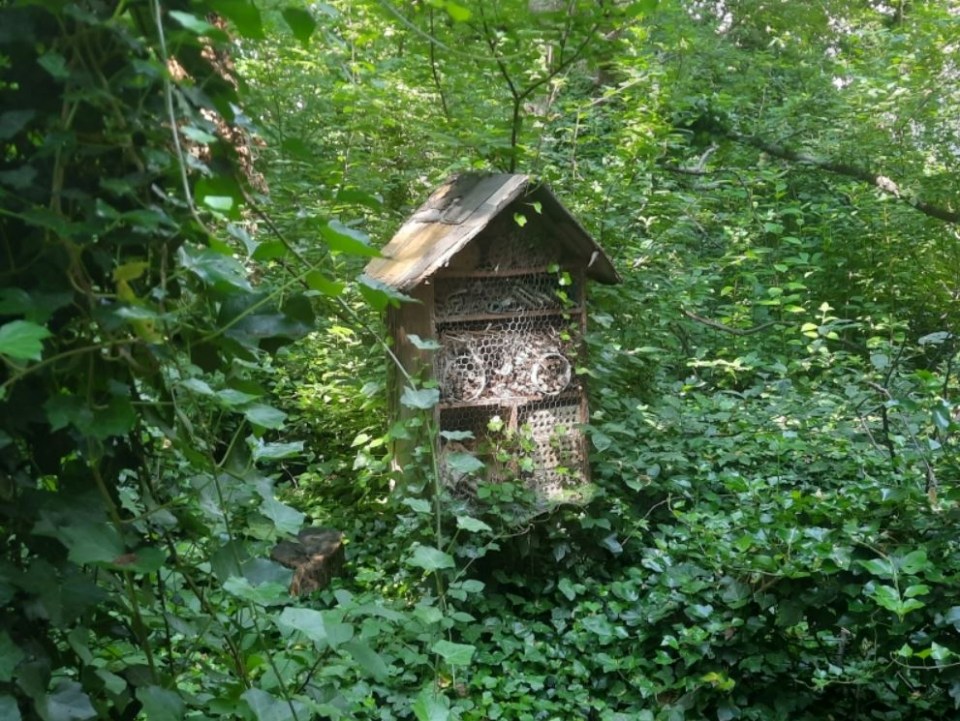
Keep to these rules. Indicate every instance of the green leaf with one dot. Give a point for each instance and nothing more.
(878, 567)
(301, 23)
(8, 709)
(265, 416)
(144, 560)
(463, 463)
(913, 563)
(474, 525)
(379, 295)
(192, 23)
(952, 616)
(92, 542)
(423, 399)
(430, 559)
(457, 435)
(13, 121)
(428, 615)
(423, 343)
(10, 656)
(320, 282)
(368, 659)
(55, 64)
(213, 268)
(233, 398)
(19, 179)
(601, 441)
(565, 586)
(352, 196)
(22, 340)
(942, 416)
(455, 654)
(117, 418)
(457, 12)
(431, 706)
(343, 239)
(160, 704)
(274, 451)
(264, 594)
(244, 15)
(285, 519)
(419, 505)
(640, 8)
(198, 135)
(68, 702)
(266, 707)
(322, 627)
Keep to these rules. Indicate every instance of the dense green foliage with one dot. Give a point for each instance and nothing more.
(192, 368)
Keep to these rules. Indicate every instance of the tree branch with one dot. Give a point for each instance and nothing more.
(881, 182)
(725, 328)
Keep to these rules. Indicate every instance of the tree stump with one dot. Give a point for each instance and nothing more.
(315, 558)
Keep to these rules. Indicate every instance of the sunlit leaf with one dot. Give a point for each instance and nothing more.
(22, 340)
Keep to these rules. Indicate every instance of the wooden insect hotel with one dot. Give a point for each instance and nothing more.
(498, 267)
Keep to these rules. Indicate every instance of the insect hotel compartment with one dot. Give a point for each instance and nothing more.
(510, 360)
(498, 267)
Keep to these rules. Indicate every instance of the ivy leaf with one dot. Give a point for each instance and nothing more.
(55, 64)
(913, 563)
(423, 399)
(213, 268)
(455, 654)
(301, 23)
(878, 567)
(13, 121)
(418, 505)
(430, 559)
(144, 560)
(457, 12)
(264, 594)
(10, 657)
(474, 525)
(463, 463)
(92, 542)
(285, 518)
(265, 416)
(192, 23)
(22, 340)
(274, 451)
(423, 343)
(9, 710)
(379, 295)
(320, 282)
(116, 419)
(368, 659)
(322, 627)
(244, 15)
(266, 707)
(160, 704)
(68, 702)
(343, 239)
(431, 706)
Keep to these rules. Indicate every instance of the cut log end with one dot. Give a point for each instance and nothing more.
(315, 558)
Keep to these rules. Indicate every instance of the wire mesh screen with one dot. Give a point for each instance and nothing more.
(506, 369)
(557, 445)
(515, 359)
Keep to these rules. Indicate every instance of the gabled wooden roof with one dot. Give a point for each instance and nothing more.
(458, 210)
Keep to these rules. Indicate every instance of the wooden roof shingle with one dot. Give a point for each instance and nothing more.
(462, 207)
